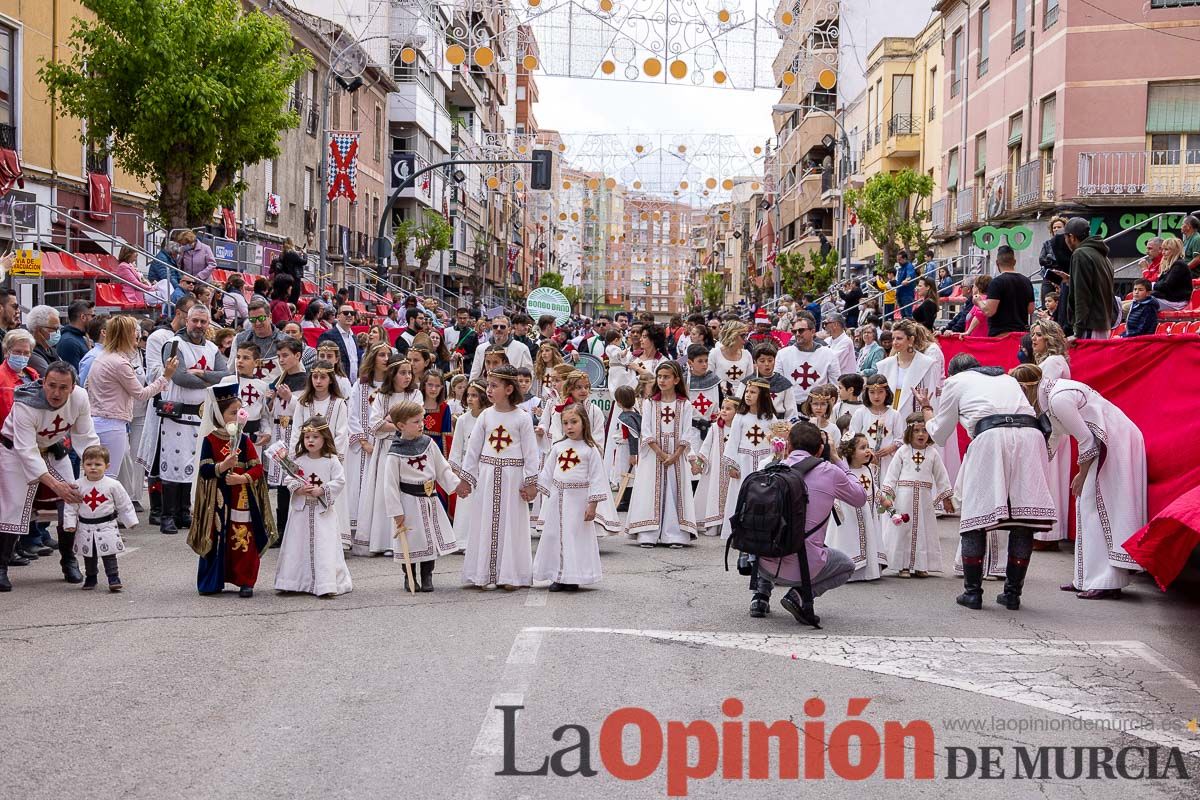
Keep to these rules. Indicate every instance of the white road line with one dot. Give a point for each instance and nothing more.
(525, 647)
(489, 742)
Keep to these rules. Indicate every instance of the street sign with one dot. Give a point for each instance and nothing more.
(27, 264)
(403, 166)
(545, 300)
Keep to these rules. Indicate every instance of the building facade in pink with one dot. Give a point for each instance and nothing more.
(1084, 107)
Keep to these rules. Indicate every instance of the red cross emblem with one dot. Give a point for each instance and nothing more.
(865, 480)
(371, 398)
(702, 404)
(168, 407)
(805, 377)
(918, 458)
(202, 363)
(264, 368)
(431, 421)
(568, 459)
(667, 415)
(734, 373)
(250, 395)
(95, 499)
(756, 435)
(876, 429)
(315, 480)
(499, 439)
(418, 462)
(60, 426)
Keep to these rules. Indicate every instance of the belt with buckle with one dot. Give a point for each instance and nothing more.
(98, 520)
(426, 489)
(1041, 424)
(169, 409)
(56, 451)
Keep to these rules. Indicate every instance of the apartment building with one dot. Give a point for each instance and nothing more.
(658, 247)
(86, 187)
(1085, 108)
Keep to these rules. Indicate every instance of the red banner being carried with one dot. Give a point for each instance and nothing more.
(343, 165)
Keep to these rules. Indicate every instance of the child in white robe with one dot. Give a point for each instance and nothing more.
(574, 486)
(475, 400)
(859, 535)
(413, 470)
(880, 423)
(501, 463)
(662, 509)
(94, 521)
(819, 410)
(311, 558)
(712, 494)
(916, 482)
(361, 443)
(748, 448)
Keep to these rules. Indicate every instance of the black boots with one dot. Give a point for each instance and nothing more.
(183, 511)
(66, 553)
(1014, 580)
(427, 576)
(972, 596)
(155, 493)
(168, 507)
(803, 612)
(7, 543)
(760, 605)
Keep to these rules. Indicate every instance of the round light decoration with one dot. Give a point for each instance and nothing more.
(608, 67)
(530, 62)
(606, 5)
(455, 54)
(723, 15)
(652, 67)
(678, 70)
(484, 56)
(827, 79)
(711, 183)
(610, 183)
(593, 183)
(727, 184)
(788, 78)
(408, 55)
(493, 182)
(719, 77)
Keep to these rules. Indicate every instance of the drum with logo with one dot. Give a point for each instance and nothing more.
(593, 367)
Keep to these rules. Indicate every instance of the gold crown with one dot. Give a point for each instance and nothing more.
(314, 427)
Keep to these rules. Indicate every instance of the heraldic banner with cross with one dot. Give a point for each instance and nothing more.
(343, 165)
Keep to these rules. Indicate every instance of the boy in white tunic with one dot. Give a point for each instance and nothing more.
(252, 392)
(783, 395)
(573, 485)
(94, 521)
(915, 483)
(413, 469)
(311, 558)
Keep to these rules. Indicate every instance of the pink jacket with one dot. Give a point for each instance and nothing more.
(126, 271)
(113, 387)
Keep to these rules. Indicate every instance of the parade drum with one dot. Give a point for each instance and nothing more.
(594, 369)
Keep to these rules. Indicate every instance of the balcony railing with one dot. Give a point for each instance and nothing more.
(904, 125)
(1028, 187)
(966, 207)
(1051, 16)
(937, 217)
(1018, 41)
(1159, 173)
(877, 138)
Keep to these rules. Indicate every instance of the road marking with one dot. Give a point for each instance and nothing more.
(537, 598)
(1124, 684)
(489, 742)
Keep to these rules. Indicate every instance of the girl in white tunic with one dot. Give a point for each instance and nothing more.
(574, 485)
(465, 508)
(662, 509)
(860, 535)
(819, 410)
(322, 397)
(880, 423)
(1049, 351)
(730, 360)
(915, 483)
(749, 446)
(713, 492)
(375, 533)
(362, 443)
(311, 558)
(501, 463)
(413, 470)
(285, 395)
(1110, 487)
(94, 521)
(329, 355)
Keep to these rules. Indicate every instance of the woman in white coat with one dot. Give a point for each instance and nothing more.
(908, 368)
(1050, 353)
(1110, 488)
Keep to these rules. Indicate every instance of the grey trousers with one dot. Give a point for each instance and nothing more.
(837, 570)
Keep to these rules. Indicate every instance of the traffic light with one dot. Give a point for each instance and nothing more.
(540, 175)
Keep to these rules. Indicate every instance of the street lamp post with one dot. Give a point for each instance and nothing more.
(844, 141)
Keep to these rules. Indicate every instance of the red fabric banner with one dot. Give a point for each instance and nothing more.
(99, 196)
(1153, 380)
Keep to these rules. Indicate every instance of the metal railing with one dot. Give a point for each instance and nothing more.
(937, 217)
(904, 125)
(965, 204)
(1164, 173)
(1050, 17)
(1027, 185)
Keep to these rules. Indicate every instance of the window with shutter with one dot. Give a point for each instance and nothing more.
(1049, 123)
(1173, 108)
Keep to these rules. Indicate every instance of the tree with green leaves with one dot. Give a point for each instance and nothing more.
(802, 274)
(403, 237)
(891, 206)
(182, 93)
(712, 290)
(551, 280)
(434, 236)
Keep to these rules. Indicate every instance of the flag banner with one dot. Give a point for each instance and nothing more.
(230, 221)
(343, 165)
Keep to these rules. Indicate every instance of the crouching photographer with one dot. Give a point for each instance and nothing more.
(782, 518)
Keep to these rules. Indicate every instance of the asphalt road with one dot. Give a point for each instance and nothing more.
(160, 693)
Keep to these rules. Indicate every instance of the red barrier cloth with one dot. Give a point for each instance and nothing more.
(1163, 546)
(1154, 380)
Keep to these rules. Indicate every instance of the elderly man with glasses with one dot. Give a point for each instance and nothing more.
(342, 334)
(518, 353)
